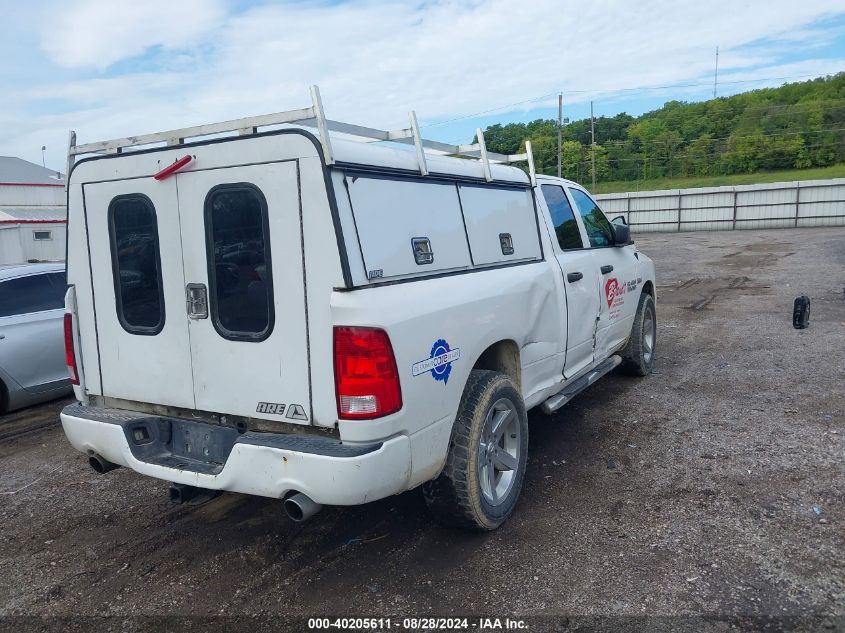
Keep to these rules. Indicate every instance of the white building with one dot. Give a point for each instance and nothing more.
(33, 213)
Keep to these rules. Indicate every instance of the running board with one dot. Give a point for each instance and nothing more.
(570, 391)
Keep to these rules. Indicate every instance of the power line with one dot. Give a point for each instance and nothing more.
(826, 106)
(647, 88)
(800, 105)
(663, 159)
(477, 114)
(609, 90)
(674, 157)
(620, 143)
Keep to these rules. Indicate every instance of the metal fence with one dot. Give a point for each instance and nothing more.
(773, 205)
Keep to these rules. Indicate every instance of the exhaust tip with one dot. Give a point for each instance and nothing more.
(301, 507)
(293, 510)
(100, 464)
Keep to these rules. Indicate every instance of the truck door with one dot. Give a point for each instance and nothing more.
(617, 269)
(580, 280)
(244, 290)
(138, 284)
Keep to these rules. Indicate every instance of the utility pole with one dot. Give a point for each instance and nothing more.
(43, 149)
(593, 144)
(559, 131)
(716, 74)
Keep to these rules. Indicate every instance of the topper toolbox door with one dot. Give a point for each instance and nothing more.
(245, 290)
(138, 283)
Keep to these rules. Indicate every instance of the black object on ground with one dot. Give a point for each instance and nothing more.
(182, 493)
(801, 312)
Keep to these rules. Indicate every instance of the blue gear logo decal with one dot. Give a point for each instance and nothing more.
(439, 362)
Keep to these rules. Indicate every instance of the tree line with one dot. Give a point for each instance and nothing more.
(796, 125)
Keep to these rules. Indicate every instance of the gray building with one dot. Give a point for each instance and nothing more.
(33, 212)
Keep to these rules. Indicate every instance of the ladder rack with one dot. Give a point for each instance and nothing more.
(313, 116)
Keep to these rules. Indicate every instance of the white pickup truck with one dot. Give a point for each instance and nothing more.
(289, 314)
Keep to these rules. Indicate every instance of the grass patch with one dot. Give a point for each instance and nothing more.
(788, 175)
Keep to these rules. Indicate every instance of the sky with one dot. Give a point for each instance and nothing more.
(114, 68)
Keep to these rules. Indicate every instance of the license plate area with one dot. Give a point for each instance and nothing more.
(181, 444)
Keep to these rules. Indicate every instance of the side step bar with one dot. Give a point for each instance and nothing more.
(570, 391)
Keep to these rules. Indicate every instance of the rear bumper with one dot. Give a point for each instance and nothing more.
(267, 465)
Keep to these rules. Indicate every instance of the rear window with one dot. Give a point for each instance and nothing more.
(563, 218)
(136, 264)
(33, 293)
(239, 269)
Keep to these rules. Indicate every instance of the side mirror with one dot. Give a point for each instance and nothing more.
(621, 234)
(619, 219)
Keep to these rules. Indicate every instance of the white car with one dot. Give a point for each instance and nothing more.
(324, 321)
(32, 354)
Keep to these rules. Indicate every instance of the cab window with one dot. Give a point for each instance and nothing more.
(598, 228)
(563, 218)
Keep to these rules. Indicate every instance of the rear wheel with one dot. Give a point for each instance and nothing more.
(481, 481)
(638, 355)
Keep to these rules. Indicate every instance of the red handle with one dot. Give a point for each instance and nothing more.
(172, 169)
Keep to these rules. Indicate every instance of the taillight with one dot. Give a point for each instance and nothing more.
(70, 357)
(366, 378)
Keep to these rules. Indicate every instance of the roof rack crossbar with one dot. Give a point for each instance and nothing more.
(191, 132)
(314, 116)
(406, 136)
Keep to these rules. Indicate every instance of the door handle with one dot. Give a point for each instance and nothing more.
(573, 277)
(196, 300)
(606, 269)
(2, 336)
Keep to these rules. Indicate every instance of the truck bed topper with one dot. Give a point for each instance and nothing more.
(314, 117)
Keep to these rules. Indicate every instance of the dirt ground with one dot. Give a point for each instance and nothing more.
(711, 492)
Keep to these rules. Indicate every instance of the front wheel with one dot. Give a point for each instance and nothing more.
(481, 481)
(638, 355)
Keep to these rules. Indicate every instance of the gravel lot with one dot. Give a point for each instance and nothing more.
(713, 488)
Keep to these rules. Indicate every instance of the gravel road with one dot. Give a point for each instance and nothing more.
(713, 489)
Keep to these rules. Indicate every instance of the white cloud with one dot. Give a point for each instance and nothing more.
(375, 60)
(99, 33)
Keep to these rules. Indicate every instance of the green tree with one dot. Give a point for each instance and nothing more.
(793, 126)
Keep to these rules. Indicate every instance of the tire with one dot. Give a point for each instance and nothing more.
(462, 496)
(638, 355)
